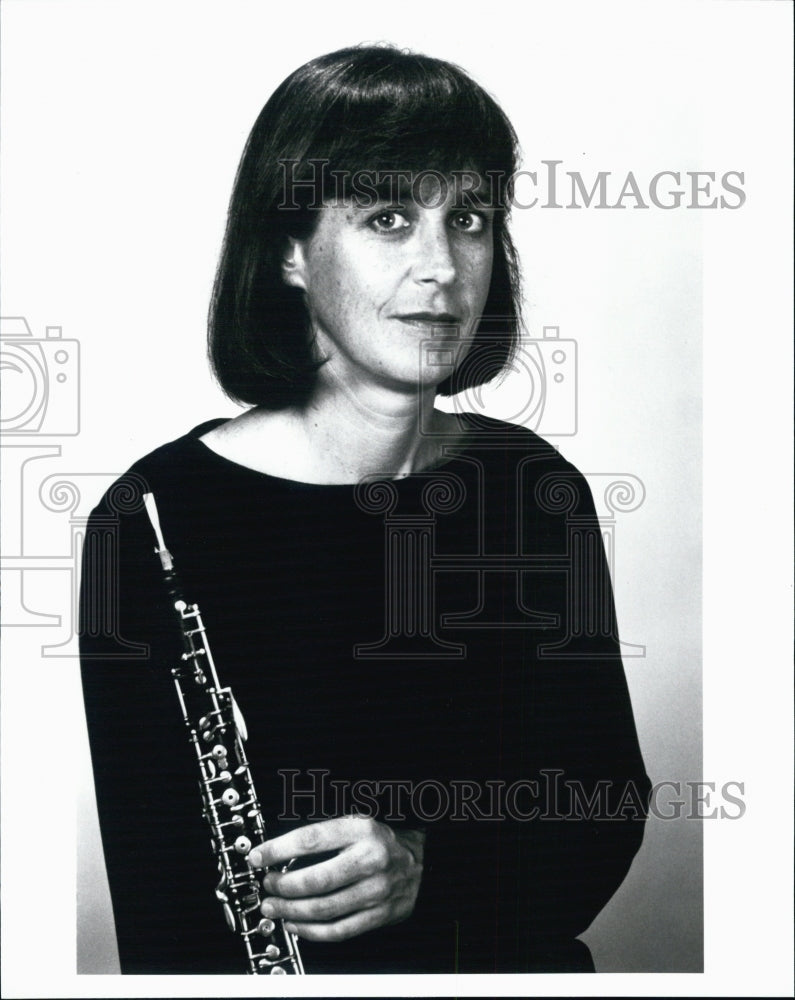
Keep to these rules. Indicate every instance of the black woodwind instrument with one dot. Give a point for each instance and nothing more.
(217, 732)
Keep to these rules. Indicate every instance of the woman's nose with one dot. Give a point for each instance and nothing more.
(435, 255)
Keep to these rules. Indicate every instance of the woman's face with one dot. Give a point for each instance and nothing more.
(381, 280)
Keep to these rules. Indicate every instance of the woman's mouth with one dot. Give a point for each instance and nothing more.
(430, 319)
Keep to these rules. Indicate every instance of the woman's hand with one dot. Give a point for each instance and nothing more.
(373, 881)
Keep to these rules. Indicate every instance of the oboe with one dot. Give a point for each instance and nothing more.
(217, 732)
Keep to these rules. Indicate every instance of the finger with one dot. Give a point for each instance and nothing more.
(328, 835)
(340, 930)
(356, 862)
(366, 894)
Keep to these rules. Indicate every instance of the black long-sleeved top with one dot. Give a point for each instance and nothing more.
(497, 694)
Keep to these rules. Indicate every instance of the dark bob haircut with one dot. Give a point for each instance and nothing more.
(368, 108)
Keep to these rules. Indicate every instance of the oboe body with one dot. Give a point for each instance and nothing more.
(217, 733)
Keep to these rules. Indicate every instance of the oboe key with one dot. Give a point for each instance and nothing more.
(242, 845)
(240, 722)
(272, 952)
(230, 797)
(266, 927)
(230, 917)
(219, 751)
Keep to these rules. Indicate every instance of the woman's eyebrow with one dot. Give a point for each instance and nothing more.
(394, 189)
(397, 191)
(364, 203)
(480, 198)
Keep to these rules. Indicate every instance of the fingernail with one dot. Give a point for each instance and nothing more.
(255, 858)
(267, 909)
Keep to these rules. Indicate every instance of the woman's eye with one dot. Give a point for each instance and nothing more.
(468, 222)
(389, 222)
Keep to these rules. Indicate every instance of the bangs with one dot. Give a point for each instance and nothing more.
(420, 130)
(394, 113)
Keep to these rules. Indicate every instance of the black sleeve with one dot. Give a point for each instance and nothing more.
(535, 879)
(593, 789)
(160, 867)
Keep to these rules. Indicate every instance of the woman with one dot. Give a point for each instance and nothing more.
(388, 588)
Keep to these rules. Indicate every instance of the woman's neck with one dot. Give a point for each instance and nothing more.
(357, 434)
(340, 437)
